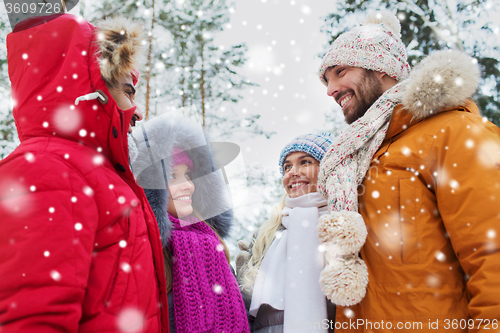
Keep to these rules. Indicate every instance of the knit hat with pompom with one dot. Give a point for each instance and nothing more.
(375, 45)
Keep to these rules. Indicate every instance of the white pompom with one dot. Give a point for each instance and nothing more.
(388, 19)
(344, 281)
(344, 230)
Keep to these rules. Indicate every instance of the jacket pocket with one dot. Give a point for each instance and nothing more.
(113, 297)
(112, 281)
(408, 221)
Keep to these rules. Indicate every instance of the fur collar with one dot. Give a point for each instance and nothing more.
(442, 80)
(155, 141)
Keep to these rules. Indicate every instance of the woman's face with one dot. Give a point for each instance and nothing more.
(300, 174)
(181, 189)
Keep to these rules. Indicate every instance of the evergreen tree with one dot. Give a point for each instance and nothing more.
(8, 133)
(185, 69)
(427, 25)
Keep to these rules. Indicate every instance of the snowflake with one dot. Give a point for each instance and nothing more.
(98, 159)
(29, 157)
(55, 275)
(440, 256)
(406, 151)
(217, 289)
(67, 119)
(130, 320)
(454, 184)
(349, 313)
(126, 267)
(88, 191)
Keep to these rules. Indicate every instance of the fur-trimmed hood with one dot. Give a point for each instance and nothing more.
(155, 141)
(61, 64)
(120, 48)
(442, 80)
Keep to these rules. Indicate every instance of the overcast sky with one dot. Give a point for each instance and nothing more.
(284, 41)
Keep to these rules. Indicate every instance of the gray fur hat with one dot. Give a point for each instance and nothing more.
(155, 142)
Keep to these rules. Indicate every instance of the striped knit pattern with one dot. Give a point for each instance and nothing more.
(315, 145)
(345, 164)
(206, 295)
(342, 170)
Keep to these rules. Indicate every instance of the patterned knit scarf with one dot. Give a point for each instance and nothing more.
(342, 170)
(206, 295)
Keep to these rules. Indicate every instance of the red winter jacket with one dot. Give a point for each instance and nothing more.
(80, 249)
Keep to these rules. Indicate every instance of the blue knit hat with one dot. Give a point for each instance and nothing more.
(315, 145)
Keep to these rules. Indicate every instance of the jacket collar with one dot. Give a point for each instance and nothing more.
(403, 119)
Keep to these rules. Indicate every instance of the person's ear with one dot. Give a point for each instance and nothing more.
(380, 75)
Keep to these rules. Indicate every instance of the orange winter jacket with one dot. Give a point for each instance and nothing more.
(431, 204)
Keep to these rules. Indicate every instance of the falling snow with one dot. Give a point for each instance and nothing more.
(88, 191)
(217, 288)
(55, 275)
(67, 119)
(29, 157)
(130, 320)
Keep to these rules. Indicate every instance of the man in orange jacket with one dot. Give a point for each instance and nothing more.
(416, 174)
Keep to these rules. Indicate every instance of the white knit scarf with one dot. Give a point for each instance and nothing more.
(342, 170)
(288, 276)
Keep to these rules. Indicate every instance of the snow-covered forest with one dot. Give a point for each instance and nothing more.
(198, 59)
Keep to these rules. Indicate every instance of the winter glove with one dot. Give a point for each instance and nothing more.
(242, 260)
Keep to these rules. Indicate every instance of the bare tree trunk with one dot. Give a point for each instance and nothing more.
(82, 8)
(184, 98)
(202, 86)
(148, 65)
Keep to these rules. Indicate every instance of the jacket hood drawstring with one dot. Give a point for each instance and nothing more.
(95, 95)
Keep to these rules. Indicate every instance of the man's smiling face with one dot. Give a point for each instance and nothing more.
(355, 89)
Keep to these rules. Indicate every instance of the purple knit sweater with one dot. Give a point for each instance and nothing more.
(206, 294)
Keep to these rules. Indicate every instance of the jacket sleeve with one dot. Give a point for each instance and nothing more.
(48, 220)
(467, 180)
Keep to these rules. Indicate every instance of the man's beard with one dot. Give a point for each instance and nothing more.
(369, 89)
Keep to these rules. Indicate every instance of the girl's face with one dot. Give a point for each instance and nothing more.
(181, 189)
(300, 174)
